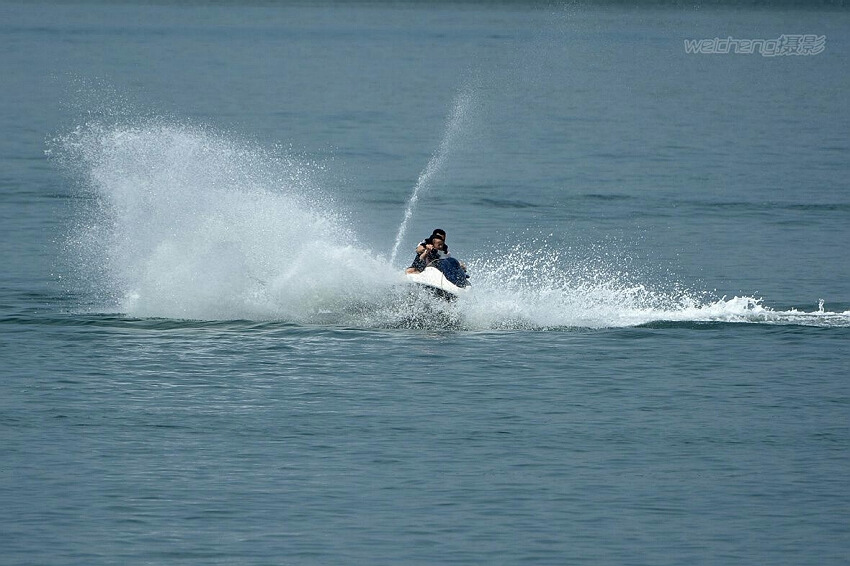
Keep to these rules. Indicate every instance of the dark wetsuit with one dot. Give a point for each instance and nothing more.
(419, 264)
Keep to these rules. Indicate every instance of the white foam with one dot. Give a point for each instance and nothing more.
(189, 224)
(186, 223)
(534, 288)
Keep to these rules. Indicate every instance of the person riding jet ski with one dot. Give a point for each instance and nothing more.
(429, 250)
(434, 268)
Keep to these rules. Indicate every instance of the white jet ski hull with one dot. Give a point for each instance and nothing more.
(433, 278)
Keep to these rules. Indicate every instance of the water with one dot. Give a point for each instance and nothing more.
(207, 357)
(454, 129)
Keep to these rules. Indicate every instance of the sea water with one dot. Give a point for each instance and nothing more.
(209, 356)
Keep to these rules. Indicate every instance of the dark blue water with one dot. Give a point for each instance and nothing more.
(207, 355)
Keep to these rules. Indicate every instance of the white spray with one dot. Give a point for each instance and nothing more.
(456, 121)
(182, 222)
(188, 223)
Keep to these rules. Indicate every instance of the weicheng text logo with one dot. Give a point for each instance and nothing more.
(785, 44)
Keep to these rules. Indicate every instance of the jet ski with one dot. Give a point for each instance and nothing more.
(445, 277)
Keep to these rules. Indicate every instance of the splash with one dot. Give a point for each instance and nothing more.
(534, 288)
(456, 121)
(181, 222)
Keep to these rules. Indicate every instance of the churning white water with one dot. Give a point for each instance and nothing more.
(186, 223)
(183, 222)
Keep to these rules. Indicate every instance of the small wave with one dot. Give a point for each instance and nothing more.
(764, 207)
(507, 203)
(606, 197)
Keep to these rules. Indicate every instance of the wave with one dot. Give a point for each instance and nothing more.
(179, 222)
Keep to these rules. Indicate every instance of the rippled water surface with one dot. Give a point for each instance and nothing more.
(208, 354)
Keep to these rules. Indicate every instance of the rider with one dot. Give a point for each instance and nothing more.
(432, 248)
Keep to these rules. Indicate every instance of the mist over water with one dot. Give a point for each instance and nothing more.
(182, 222)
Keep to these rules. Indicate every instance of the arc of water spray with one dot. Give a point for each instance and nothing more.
(461, 105)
